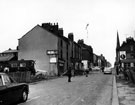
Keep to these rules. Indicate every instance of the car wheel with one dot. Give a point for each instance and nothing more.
(24, 96)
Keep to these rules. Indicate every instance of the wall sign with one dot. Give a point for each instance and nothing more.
(52, 52)
(53, 60)
(122, 55)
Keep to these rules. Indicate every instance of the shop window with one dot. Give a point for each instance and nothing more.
(131, 64)
(131, 48)
(122, 64)
(127, 65)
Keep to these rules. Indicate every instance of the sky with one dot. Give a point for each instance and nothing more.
(105, 18)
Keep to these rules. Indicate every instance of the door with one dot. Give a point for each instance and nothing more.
(10, 96)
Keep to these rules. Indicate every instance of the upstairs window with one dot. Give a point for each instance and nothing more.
(22, 64)
(14, 65)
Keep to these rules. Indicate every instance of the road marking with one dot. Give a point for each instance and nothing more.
(33, 98)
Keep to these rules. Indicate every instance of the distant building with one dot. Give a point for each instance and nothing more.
(95, 59)
(87, 54)
(77, 56)
(6, 56)
(102, 62)
(127, 53)
(75, 53)
(9, 55)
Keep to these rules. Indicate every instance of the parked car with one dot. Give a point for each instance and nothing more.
(41, 74)
(12, 92)
(96, 68)
(107, 70)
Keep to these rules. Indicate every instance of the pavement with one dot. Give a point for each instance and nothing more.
(123, 91)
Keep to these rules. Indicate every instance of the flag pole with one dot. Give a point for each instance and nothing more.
(86, 28)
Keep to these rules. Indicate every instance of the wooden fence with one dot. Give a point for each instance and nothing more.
(21, 76)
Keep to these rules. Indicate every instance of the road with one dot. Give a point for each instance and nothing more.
(96, 89)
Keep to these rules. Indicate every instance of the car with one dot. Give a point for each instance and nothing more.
(107, 70)
(41, 74)
(12, 92)
(96, 68)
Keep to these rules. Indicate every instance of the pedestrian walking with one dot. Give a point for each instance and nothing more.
(102, 68)
(126, 72)
(69, 74)
(90, 69)
(86, 72)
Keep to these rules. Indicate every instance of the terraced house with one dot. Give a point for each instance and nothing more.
(49, 48)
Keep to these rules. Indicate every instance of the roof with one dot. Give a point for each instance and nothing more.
(59, 36)
(129, 41)
(10, 51)
(6, 58)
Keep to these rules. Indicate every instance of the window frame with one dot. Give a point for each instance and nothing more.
(8, 82)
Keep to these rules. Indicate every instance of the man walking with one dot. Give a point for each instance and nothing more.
(86, 72)
(69, 74)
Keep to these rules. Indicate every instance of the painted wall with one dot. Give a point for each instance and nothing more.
(34, 45)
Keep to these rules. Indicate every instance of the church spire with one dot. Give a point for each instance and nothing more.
(118, 41)
(117, 49)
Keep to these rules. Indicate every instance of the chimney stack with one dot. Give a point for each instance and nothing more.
(71, 36)
(54, 28)
(80, 41)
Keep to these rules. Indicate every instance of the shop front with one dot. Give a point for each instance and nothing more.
(61, 66)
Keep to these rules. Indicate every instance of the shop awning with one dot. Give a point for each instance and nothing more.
(128, 61)
(6, 58)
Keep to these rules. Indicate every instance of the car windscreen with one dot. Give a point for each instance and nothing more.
(7, 80)
(1, 84)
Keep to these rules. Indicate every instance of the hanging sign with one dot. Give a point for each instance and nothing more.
(122, 55)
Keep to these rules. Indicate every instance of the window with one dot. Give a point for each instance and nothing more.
(131, 64)
(7, 80)
(22, 64)
(14, 65)
(61, 43)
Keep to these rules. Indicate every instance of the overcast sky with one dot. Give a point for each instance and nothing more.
(104, 17)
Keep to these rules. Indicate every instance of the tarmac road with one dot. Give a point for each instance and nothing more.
(96, 89)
